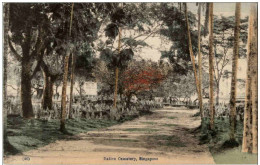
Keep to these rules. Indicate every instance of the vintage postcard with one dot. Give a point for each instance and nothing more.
(130, 83)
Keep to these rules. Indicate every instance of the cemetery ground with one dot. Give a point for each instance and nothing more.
(168, 135)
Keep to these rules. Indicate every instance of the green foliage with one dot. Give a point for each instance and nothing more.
(111, 30)
(176, 31)
(114, 59)
(85, 58)
(216, 140)
(25, 135)
(134, 43)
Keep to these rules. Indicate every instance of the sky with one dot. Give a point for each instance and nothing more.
(225, 9)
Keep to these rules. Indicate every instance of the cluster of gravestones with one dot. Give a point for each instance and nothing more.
(223, 110)
(95, 110)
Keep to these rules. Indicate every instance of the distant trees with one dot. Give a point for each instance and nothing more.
(139, 77)
(223, 42)
(175, 29)
(118, 53)
(250, 132)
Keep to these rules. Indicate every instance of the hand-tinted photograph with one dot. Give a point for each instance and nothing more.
(130, 83)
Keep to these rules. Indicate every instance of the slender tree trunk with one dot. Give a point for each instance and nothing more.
(71, 84)
(211, 67)
(117, 70)
(247, 113)
(232, 115)
(250, 113)
(193, 60)
(47, 91)
(200, 65)
(65, 77)
(80, 92)
(128, 101)
(255, 113)
(64, 92)
(218, 89)
(56, 90)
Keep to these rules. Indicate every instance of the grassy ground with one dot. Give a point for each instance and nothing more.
(25, 135)
(215, 140)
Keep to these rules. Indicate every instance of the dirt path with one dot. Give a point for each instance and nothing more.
(161, 138)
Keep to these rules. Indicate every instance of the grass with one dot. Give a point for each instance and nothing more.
(217, 142)
(169, 125)
(166, 140)
(25, 135)
(150, 123)
(172, 117)
(234, 156)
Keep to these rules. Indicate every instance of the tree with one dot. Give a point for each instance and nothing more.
(65, 76)
(223, 42)
(249, 143)
(200, 64)
(174, 27)
(140, 77)
(32, 21)
(6, 143)
(118, 56)
(86, 24)
(193, 63)
(211, 67)
(234, 74)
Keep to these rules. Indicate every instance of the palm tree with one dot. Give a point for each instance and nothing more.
(65, 76)
(211, 67)
(200, 65)
(234, 74)
(117, 70)
(193, 59)
(249, 143)
(71, 84)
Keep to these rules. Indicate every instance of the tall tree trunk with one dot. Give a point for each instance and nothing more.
(64, 92)
(255, 110)
(232, 115)
(254, 65)
(6, 143)
(26, 97)
(250, 113)
(200, 65)
(211, 67)
(71, 84)
(193, 59)
(47, 91)
(246, 143)
(117, 69)
(65, 77)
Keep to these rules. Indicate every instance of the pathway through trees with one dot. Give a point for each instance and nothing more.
(164, 137)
